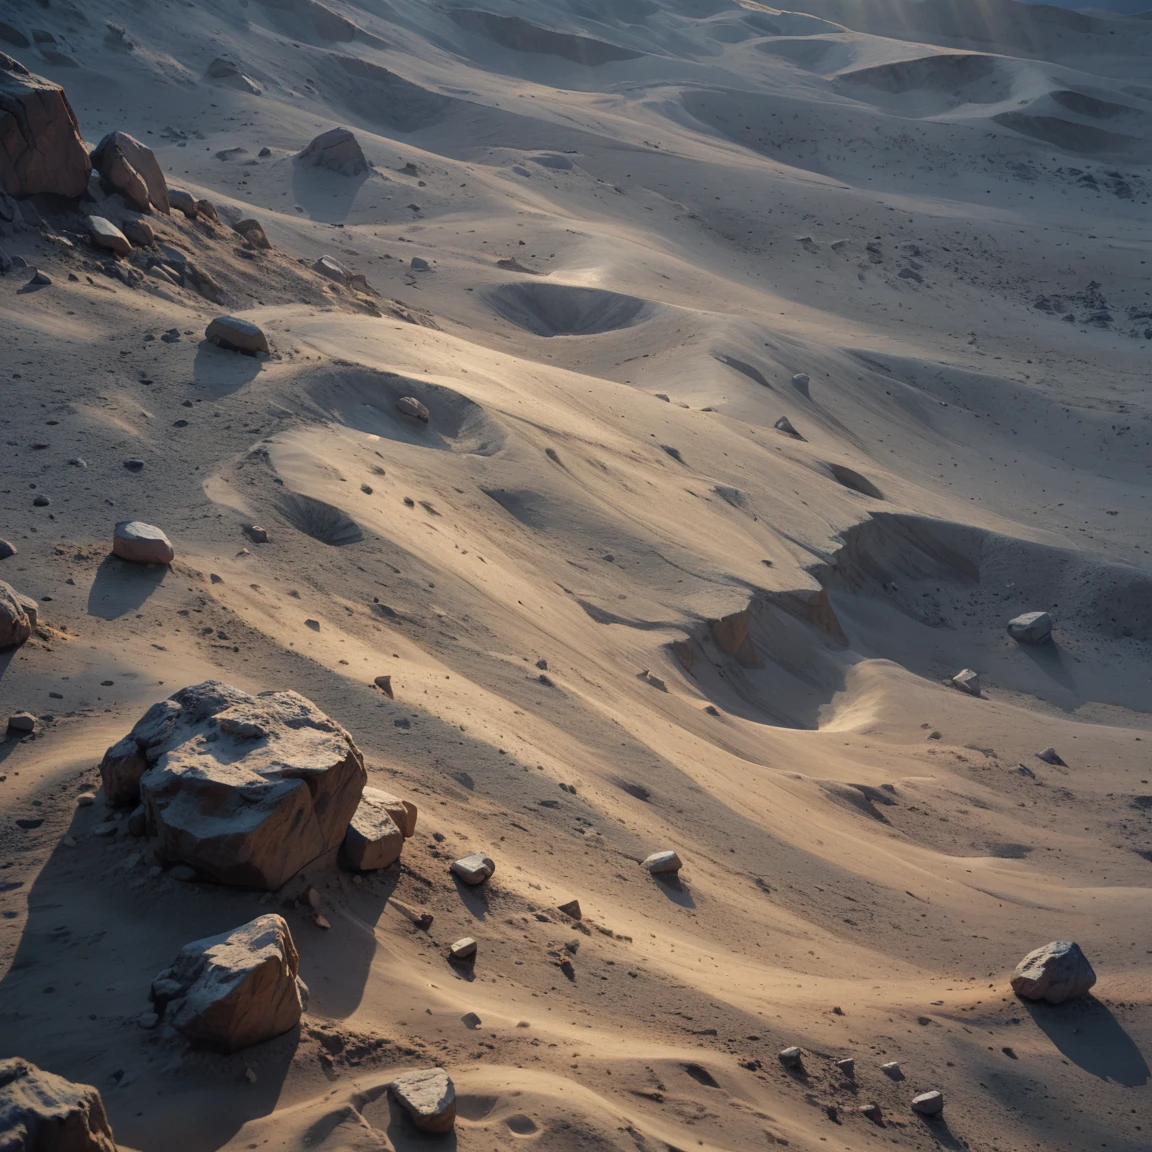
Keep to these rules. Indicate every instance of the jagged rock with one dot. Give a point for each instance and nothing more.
(41, 149)
(419, 264)
(139, 232)
(141, 543)
(374, 838)
(336, 150)
(791, 1057)
(464, 949)
(253, 232)
(230, 991)
(1031, 628)
(133, 170)
(183, 201)
(332, 268)
(428, 1097)
(967, 681)
(928, 1103)
(245, 789)
(18, 616)
(785, 425)
(662, 863)
(1050, 756)
(42, 1112)
(105, 234)
(847, 1066)
(207, 210)
(359, 281)
(384, 683)
(1057, 972)
(474, 869)
(237, 335)
(410, 406)
(571, 909)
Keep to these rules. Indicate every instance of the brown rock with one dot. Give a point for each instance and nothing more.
(18, 616)
(22, 722)
(207, 210)
(141, 543)
(252, 231)
(133, 170)
(384, 683)
(139, 232)
(41, 149)
(731, 636)
(230, 991)
(104, 234)
(374, 840)
(237, 335)
(41, 1112)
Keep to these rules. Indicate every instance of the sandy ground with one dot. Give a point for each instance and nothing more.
(937, 214)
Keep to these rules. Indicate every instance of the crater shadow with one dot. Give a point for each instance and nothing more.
(326, 197)
(563, 310)
(121, 587)
(1086, 1032)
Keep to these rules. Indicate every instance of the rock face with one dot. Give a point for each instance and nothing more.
(41, 149)
(474, 869)
(336, 150)
(245, 789)
(233, 990)
(141, 543)
(429, 1097)
(1057, 972)
(133, 170)
(376, 835)
(1031, 628)
(237, 335)
(105, 234)
(662, 863)
(41, 1112)
(18, 615)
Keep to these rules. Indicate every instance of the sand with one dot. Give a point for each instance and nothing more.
(652, 229)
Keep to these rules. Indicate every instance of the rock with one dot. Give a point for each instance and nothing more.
(847, 1066)
(419, 264)
(184, 201)
(872, 1111)
(253, 233)
(662, 863)
(967, 681)
(104, 234)
(230, 991)
(338, 151)
(237, 335)
(650, 678)
(410, 406)
(182, 873)
(471, 1020)
(7, 549)
(248, 790)
(801, 381)
(1051, 756)
(120, 157)
(141, 543)
(791, 1057)
(41, 149)
(18, 616)
(1057, 972)
(41, 1112)
(928, 1103)
(321, 922)
(571, 909)
(892, 1070)
(418, 916)
(373, 840)
(41, 279)
(384, 683)
(85, 799)
(132, 464)
(230, 74)
(207, 210)
(785, 425)
(1031, 628)
(22, 722)
(428, 1097)
(463, 949)
(41, 502)
(257, 534)
(332, 268)
(474, 869)
(137, 821)
(147, 1020)
(139, 233)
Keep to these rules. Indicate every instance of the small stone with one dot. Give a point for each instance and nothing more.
(655, 681)
(785, 425)
(1050, 756)
(471, 1020)
(384, 683)
(928, 1103)
(22, 722)
(571, 909)
(311, 897)
(40, 278)
(250, 1076)
(429, 1098)
(41, 502)
(893, 1070)
(133, 465)
(182, 873)
(662, 863)
(419, 264)
(85, 799)
(330, 267)
(464, 949)
(257, 534)
(801, 381)
(321, 921)
(1031, 628)
(967, 681)
(410, 406)
(1056, 972)
(847, 1066)
(792, 1057)
(473, 869)
(872, 1111)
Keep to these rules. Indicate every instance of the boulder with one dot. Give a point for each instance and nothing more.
(1051, 756)
(21, 722)
(1057, 972)
(337, 150)
(141, 543)
(785, 425)
(230, 991)
(133, 170)
(207, 211)
(570, 909)
(332, 268)
(1031, 628)
(237, 335)
(967, 681)
(791, 1057)
(428, 1097)
(183, 200)
(473, 869)
(464, 949)
(18, 615)
(928, 1103)
(7, 548)
(42, 1112)
(248, 790)
(252, 231)
(104, 234)
(410, 406)
(661, 863)
(41, 149)
(139, 232)
(374, 838)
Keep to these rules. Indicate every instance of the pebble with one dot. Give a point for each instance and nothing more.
(41, 501)
(321, 921)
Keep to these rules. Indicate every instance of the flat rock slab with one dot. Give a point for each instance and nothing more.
(237, 335)
(1056, 972)
(230, 991)
(429, 1097)
(1031, 628)
(141, 543)
(247, 790)
(662, 863)
(473, 869)
(42, 1112)
(18, 616)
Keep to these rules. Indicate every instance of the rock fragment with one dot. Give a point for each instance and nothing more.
(892, 1070)
(785, 425)
(253, 233)
(464, 949)
(662, 863)
(473, 869)
(1031, 628)
(7, 548)
(374, 840)
(847, 1066)
(967, 681)
(1056, 972)
(139, 232)
(410, 406)
(428, 1097)
(42, 1112)
(22, 722)
(18, 616)
(183, 201)
(571, 909)
(141, 543)
(230, 991)
(104, 234)
(384, 683)
(338, 151)
(237, 335)
(792, 1057)
(928, 1103)
(1051, 756)
(332, 268)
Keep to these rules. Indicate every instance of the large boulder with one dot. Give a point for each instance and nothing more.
(237, 335)
(18, 616)
(338, 151)
(375, 838)
(1031, 628)
(233, 990)
(133, 170)
(141, 543)
(41, 149)
(246, 789)
(429, 1098)
(42, 1112)
(1057, 972)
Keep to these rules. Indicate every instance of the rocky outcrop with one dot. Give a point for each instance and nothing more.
(1031, 628)
(375, 838)
(245, 789)
(338, 151)
(230, 991)
(41, 149)
(42, 1112)
(429, 1098)
(731, 636)
(1057, 972)
(237, 335)
(141, 543)
(133, 170)
(18, 615)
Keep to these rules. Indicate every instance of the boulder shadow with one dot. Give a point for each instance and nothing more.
(937, 1128)
(1086, 1032)
(326, 197)
(675, 889)
(1049, 660)
(121, 587)
(220, 372)
(473, 897)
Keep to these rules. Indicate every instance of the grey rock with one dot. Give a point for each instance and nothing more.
(419, 264)
(429, 1098)
(792, 1057)
(1057, 972)
(22, 722)
(1031, 628)
(967, 681)
(332, 268)
(141, 543)
(18, 616)
(662, 863)
(785, 425)
(410, 406)
(139, 232)
(473, 869)
(183, 201)
(928, 1103)
(237, 335)
(338, 151)
(7, 548)
(892, 1070)
(1050, 756)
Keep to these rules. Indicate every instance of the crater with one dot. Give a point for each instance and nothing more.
(522, 1125)
(562, 310)
(850, 478)
(323, 522)
(521, 35)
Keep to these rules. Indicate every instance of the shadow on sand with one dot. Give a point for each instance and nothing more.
(121, 587)
(221, 372)
(1087, 1033)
